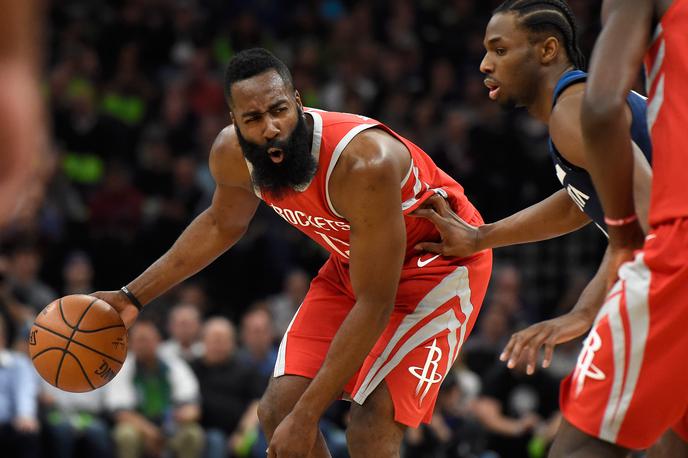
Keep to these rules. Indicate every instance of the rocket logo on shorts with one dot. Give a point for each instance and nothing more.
(428, 373)
(584, 366)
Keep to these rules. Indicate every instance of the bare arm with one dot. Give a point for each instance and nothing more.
(22, 133)
(368, 196)
(555, 216)
(615, 64)
(365, 188)
(527, 342)
(208, 236)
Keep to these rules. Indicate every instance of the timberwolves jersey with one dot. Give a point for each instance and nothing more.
(576, 180)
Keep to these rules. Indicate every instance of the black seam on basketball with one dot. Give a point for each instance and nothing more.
(82, 369)
(78, 343)
(102, 329)
(74, 329)
(46, 350)
(64, 318)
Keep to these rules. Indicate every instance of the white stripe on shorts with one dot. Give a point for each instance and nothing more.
(454, 284)
(636, 278)
(280, 364)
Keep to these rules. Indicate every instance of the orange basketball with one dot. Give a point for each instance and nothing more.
(78, 343)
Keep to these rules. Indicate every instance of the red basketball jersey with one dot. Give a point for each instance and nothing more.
(666, 65)
(310, 209)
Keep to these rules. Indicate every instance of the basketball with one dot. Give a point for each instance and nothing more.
(78, 343)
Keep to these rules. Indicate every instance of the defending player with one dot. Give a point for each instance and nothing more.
(381, 323)
(631, 383)
(532, 60)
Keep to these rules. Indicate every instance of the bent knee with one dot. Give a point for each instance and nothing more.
(270, 413)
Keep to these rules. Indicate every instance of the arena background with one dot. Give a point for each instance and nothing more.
(135, 99)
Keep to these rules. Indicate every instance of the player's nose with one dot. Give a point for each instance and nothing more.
(272, 129)
(486, 65)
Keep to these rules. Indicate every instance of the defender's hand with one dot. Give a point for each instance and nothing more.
(527, 343)
(459, 239)
(127, 311)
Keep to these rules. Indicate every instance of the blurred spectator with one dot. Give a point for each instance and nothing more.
(74, 422)
(258, 340)
(24, 268)
(184, 326)
(230, 389)
(284, 305)
(483, 348)
(7, 310)
(452, 431)
(19, 425)
(506, 294)
(154, 401)
(193, 293)
(116, 208)
(77, 274)
(520, 412)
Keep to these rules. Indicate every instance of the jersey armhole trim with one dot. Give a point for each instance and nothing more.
(343, 143)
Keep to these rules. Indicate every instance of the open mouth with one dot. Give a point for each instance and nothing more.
(276, 155)
(493, 87)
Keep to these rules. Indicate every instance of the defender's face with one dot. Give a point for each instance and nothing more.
(510, 63)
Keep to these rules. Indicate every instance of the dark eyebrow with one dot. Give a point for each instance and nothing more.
(253, 113)
(493, 40)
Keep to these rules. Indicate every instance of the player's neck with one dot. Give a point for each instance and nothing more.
(541, 107)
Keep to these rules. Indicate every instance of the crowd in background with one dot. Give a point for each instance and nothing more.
(135, 96)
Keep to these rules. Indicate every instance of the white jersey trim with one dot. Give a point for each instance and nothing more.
(343, 143)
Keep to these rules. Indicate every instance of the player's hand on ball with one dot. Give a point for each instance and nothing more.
(127, 311)
(293, 438)
(459, 238)
(527, 342)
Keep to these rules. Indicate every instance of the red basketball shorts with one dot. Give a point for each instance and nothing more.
(437, 302)
(631, 381)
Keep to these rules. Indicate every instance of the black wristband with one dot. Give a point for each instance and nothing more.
(131, 297)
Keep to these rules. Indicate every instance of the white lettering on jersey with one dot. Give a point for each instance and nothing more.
(299, 218)
(579, 197)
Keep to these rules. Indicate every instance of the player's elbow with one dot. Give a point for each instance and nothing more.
(226, 228)
(599, 111)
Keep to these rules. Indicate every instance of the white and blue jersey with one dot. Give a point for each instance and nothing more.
(576, 180)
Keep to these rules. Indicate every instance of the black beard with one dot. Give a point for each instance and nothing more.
(296, 169)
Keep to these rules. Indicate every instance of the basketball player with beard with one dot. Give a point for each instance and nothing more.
(382, 323)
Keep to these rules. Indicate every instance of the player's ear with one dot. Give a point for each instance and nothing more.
(231, 116)
(297, 97)
(549, 50)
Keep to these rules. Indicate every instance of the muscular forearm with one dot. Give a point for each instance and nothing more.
(350, 346)
(592, 297)
(557, 215)
(200, 244)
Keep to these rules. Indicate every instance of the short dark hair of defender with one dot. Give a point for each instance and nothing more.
(252, 62)
(548, 16)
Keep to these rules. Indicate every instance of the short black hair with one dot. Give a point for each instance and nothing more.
(252, 62)
(553, 16)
